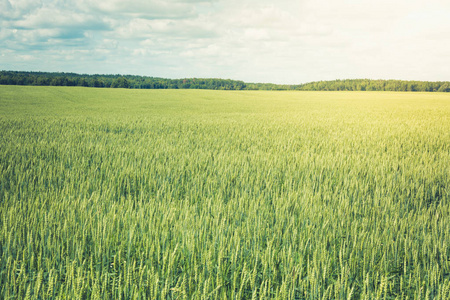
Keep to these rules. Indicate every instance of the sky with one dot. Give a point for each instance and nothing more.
(278, 41)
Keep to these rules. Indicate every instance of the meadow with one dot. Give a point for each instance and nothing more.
(197, 194)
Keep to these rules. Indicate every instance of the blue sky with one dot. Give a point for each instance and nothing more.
(255, 41)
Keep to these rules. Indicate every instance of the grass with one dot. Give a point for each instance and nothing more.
(186, 194)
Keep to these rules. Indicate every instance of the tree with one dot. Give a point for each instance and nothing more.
(120, 82)
(444, 88)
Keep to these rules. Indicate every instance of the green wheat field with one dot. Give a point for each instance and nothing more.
(195, 194)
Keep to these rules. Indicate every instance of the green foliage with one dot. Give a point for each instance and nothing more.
(115, 81)
(183, 194)
(375, 85)
(144, 82)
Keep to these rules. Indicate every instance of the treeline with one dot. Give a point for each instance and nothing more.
(145, 82)
(115, 81)
(377, 85)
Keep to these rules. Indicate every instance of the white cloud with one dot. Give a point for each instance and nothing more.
(47, 17)
(155, 9)
(284, 41)
(16, 9)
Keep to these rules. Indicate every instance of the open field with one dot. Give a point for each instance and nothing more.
(187, 194)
